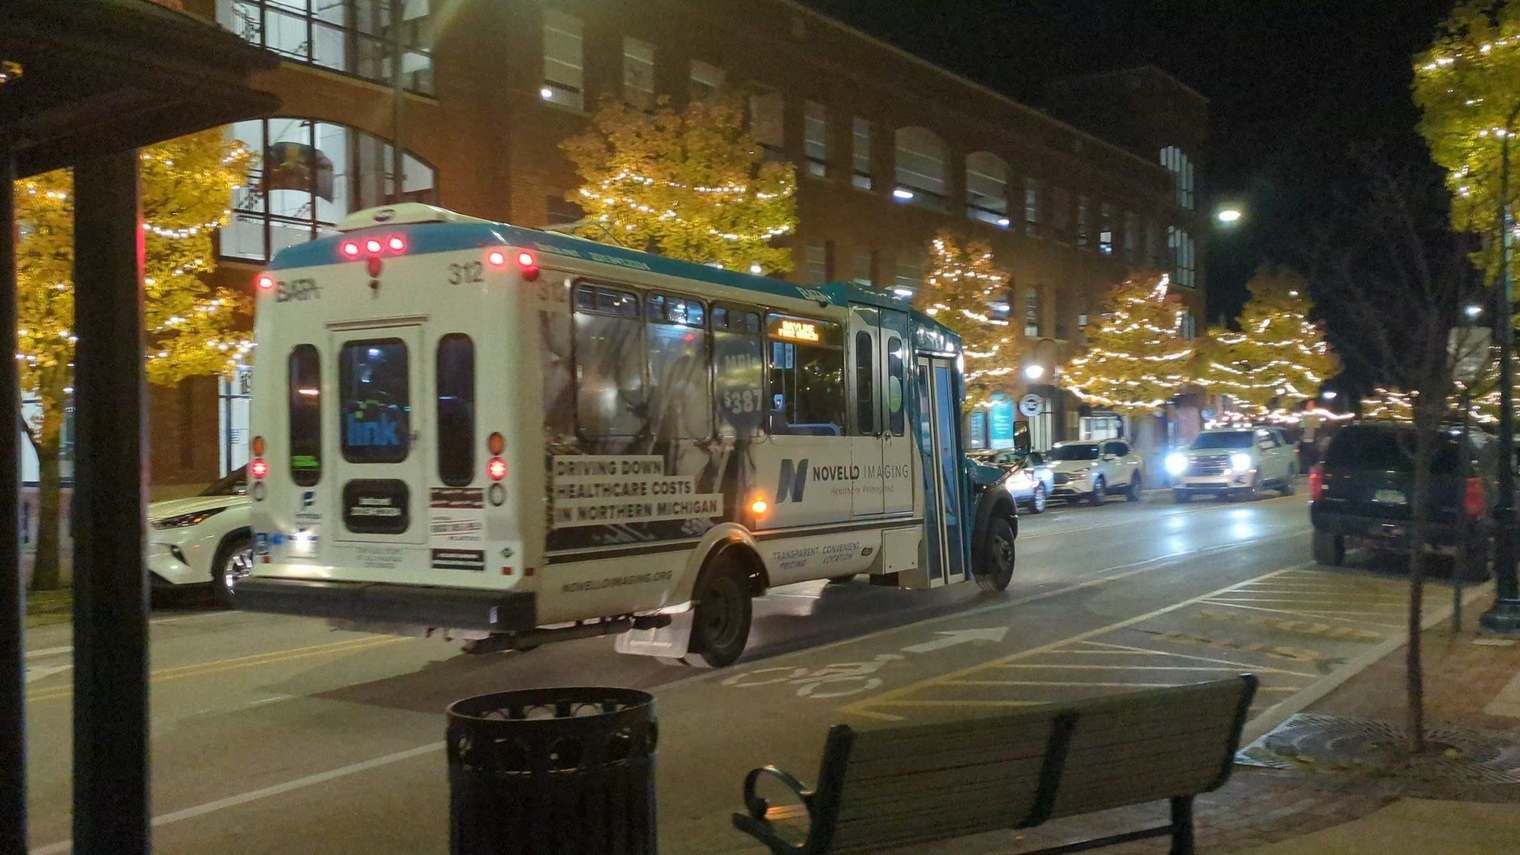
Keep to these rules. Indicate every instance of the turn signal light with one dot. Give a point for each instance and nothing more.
(258, 468)
(495, 443)
(1472, 501)
(257, 446)
(759, 507)
(1316, 483)
(496, 468)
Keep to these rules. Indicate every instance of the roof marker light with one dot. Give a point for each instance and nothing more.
(526, 259)
(265, 282)
(373, 245)
(397, 243)
(351, 249)
(496, 258)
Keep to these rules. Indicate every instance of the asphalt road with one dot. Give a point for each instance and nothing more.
(277, 735)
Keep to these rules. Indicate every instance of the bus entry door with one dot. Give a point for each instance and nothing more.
(937, 417)
(381, 491)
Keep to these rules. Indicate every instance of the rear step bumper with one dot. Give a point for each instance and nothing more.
(376, 602)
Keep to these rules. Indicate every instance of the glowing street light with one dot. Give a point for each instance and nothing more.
(1034, 371)
(1228, 216)
(1473, 312)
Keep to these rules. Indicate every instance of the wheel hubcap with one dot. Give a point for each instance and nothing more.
(240, 564)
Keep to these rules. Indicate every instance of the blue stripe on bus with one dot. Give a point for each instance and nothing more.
(425, 238)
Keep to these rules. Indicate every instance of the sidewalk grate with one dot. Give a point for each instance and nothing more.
(1375, 749)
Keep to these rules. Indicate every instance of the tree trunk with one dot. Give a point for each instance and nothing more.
(47, 440)
(1425, 431)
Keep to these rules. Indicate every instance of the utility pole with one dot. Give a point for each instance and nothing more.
(1504, 616)
(398, 91)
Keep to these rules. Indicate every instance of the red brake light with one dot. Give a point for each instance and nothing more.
(351, 249)
(496, 258)
(1473, 502)
(397, 243)
(373, 245)
(265, 282)
(258, 468)
(1316, 483)
(496, 468)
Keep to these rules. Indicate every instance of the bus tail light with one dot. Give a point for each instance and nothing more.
(529, 266)
(496, 468)
(1472, 501)
(1316, 483)
(258, 468)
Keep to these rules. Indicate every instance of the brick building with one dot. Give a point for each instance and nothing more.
(888, 147)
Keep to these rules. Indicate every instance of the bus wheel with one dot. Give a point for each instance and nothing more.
(996, 569)
(720, 624)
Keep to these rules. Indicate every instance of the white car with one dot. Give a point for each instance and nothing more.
(203, 539)
(1030, 480)
(1234, 462)
(1091, 470)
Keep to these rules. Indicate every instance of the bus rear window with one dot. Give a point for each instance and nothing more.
(375, 397)
(305, 390)
(456, 409)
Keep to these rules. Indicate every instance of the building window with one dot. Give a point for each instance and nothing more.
(1060, 214)
(564, 61)
(1131, 236)
(987, 188)
(1031, 207)
(765, 120)
(706, 80)
(910, 275)
(638, 73)
(352, 37)
(1106, 230)
(1189, 326)
(861, 154)
(1083, 215)
(865, 263)
(1181, 168)
(1180, 244)
(815, 138)
(311, 175)
(1032, 311)
(1152, 241)
(920, 168)
(815, 262)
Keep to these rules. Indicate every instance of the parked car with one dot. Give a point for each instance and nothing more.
(1234, 463)
(1361, 493)
(1092, 470)
(1031, 481)
(205, 539)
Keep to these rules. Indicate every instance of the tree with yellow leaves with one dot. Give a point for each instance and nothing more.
(1136, 357)
(185, 186)
(1278, 353)
(693, 184)
(961, 288)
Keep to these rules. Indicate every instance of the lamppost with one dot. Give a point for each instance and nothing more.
(1044, 356)
(1504, 615)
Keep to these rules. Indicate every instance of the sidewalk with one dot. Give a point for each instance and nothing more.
(1469, 686)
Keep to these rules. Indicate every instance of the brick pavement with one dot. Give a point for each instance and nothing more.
(1262, 806)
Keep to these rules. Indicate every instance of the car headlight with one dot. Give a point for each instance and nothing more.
(1240, 461)
(1021, 480)
(1176, 463)
(186, 520)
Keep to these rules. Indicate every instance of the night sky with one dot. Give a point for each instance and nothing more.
(1295, 88)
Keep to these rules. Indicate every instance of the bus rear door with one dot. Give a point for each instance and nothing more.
(380, 466)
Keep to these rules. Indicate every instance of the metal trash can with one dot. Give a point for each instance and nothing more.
(565, 771)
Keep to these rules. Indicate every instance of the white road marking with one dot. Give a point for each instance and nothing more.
(42, 672)
(950, 638)
(49, 651)
(278, 789)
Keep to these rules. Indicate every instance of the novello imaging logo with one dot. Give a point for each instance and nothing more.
(793, 480)
(379, 433)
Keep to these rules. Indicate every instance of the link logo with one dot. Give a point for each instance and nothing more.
(793, 480)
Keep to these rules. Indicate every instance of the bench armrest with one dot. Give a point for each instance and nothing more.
(754, 822)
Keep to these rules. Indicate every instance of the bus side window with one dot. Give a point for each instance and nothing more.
(679, 396)
(806, 376)
(895, 419)
(305, 382)
(865, 384)
(738, 371)
(609, 362)
(456, 409)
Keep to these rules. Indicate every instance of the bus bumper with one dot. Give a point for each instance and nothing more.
(375, 602)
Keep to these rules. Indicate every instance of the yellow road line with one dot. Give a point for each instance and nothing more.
(1065, 667)
(1265, 669)
(892, 697)
(1330, 615)
(201, 669)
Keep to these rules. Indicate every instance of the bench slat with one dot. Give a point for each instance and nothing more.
(943, 788)
(1020, 746)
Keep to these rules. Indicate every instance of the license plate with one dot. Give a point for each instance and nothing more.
(1390, 497)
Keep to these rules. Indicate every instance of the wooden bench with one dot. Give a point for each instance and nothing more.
(899, 785)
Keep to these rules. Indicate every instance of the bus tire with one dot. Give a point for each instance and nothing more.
(722, 612)
(995, 570)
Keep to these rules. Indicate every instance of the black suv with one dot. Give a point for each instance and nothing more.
(1362, 490)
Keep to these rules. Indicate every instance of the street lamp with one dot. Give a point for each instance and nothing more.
(1504, 615)
(1034, 371)
(1473, 312)
(1229, 216)
(1045, 355)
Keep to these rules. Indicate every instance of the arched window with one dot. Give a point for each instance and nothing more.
(1181, 168)
(352, 37)
(920, 168)
(987, 188)
(308, 176)
(1179, 245)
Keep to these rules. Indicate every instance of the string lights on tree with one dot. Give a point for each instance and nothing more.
(191, 329)
(694, 184)
(1136, 357)
(1278, 352)
(961, 290)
